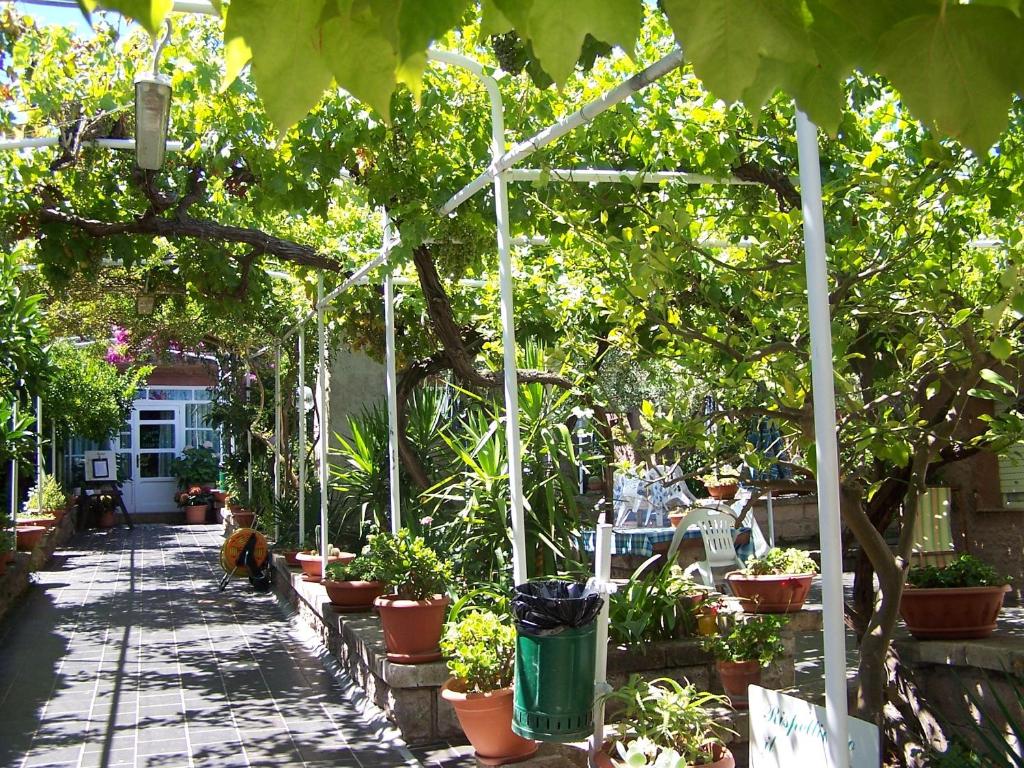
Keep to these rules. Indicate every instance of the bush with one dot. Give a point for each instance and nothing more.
(755, 638)
(360, 569)
(653, 607)
(964, 571)
(782, 562)
(45, 496)
(405, 562)
(195, 466)
(480, 650)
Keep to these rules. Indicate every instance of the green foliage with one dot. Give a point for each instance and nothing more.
(997, 743)
(480, 649)
(45, 496)
(725, 475)
(781, 562)
(194, 496)
(85, 395)
(16, 439)
(668, 715)
(757, 637)
(964, 571)
(407, 565)
(653, 605)
(22, 334)
(195, 466)
(362, 568)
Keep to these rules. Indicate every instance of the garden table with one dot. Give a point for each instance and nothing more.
(642, 541)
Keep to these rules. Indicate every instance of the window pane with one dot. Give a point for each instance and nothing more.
(201, 394)
(197, 415)
(156, 436)
(203, 438)
(163, 393)
(155, 464)
(156, 415)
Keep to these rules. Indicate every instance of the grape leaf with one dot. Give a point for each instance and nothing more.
(420, 22)
(556, 29)
(361, 54)
(492, 20)
(957, 69)
(287, 59)
(149, 13)
(727, 40)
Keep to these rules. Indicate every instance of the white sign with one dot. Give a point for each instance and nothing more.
(786, 731)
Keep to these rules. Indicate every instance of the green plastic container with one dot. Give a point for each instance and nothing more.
(554, 691)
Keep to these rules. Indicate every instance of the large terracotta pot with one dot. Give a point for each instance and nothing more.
(290, 556)
(770, 594)
(105, 519)
(724, 758)
(195, 514)
(952, 613)
(723, 492)
(486, 719)
(353, 595)
(219, 495)
(312, 566)
(735, 677)
(243, 518)
(412, 628)
(45, 522)
(29, 536)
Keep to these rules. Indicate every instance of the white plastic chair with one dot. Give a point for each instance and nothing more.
(717, 533)
(628, 503)
(748, 519)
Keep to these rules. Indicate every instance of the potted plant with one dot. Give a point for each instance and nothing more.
(27, 537)
(195, 502)
(741, 650)
(104, 510)
(959, 601)
(480, 650)
(412, 615)
(46, 501)
(353, 586)
(195, 466)
(312, 563)
(723, 483)
(776, 583)
(665, 724)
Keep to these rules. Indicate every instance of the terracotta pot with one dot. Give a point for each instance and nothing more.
(105, 519)
(735, 677)
(243, 518)
(29, 536)
(289, 556)
(675, 518)
(486, 719)
(219, 495)
(313, 568)
(412, 628)
(195, 514)
(770, 594)
(353, 595)
(723, 492)
(724, 758)
(952, 613)
(45, 522)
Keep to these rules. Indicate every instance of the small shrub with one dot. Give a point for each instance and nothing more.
(782, 562)
(360, 569)
(45, 497)
(753, 638)
(405, 562)
(653, 607)
(964, 571)
(480, 650)
(195, 466)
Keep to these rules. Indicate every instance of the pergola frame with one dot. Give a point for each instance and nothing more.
(500, 171)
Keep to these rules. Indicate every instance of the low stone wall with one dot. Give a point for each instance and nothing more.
(796, 519)
(15, 578)
(410, 694)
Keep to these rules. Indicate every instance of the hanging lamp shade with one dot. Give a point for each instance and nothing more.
(152, 116)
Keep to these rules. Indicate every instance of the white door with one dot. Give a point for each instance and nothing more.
(158, 437)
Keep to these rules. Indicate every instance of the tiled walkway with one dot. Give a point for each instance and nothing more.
(124, 654)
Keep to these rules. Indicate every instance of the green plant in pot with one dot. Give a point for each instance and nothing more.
(723, 482)
(413, 612)
(353, 586)
(654, 605)
(196, 466)
(480, 650)
(312, 562)
(742, 649)
(663, 723)
(46, 502)
(778, 582)
(958, 601)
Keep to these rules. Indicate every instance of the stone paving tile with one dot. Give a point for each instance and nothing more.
(124, 654)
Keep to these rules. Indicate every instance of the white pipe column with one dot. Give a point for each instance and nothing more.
(40, 469)
(302, 436)
(392, 383)
(771, 519)
(321, 334)
(603, 584)
(822, 383)
(14, 467)
(278, 421)
(248, 469)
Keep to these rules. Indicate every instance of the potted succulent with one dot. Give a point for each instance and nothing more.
(480, 650)
(959, 601)
(742, 649)
(353, 586)
(778, 582)
(723, 483)
(312, 563)
(413, 612)
(195, 502)
(665, 724)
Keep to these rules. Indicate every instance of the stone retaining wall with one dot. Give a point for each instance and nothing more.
(410, 694)
(15, 578)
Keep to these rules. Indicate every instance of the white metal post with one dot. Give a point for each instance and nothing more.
(14, 467)
(248, 469)
(602, 582)
(302, 436)
(321, 334)
(53, 448)
(278, 421)
(822, 383)
(40, 469)
(771, 519)
(392, 383)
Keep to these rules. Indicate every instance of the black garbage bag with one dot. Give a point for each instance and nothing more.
(552, 606)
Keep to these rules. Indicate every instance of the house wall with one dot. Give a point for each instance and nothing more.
(356, 382)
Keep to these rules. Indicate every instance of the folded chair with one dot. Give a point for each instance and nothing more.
(717, 532)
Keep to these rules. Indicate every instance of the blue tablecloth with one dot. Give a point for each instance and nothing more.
(641, 541)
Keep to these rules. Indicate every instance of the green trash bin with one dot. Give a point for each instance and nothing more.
(554, 685)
